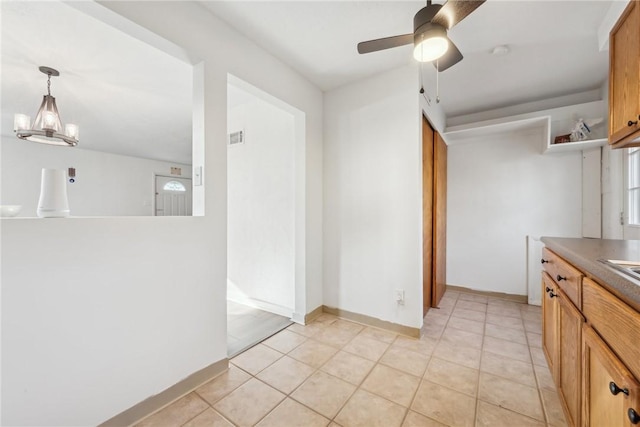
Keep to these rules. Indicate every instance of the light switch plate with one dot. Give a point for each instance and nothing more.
(197, 176)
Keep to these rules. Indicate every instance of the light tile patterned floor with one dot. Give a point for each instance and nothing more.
(478, 363)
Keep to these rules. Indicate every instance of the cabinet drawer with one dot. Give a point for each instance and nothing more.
(617, 323)
(564, 274)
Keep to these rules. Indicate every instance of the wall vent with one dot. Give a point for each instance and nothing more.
(236, 137)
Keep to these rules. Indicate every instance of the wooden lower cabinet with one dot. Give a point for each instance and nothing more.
(562, 344)
(591, 339)
(569, 362)
(610, 392)
(550, 323)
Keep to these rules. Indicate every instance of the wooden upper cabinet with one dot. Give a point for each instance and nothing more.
(624, 79)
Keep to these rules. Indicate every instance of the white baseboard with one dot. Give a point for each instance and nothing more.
(163, 399)
(298, 318)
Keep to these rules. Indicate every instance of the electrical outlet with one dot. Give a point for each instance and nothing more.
(399, 296)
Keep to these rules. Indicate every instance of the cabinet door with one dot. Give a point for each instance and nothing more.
(624, 75)
(570, 322)
(550, 323)
(610, 393)
(617, 323)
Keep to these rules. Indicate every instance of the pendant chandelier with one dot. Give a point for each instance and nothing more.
(47, 128)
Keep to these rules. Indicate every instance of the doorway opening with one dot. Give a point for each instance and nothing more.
(263, 212)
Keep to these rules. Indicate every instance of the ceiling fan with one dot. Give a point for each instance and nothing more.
(430, 26)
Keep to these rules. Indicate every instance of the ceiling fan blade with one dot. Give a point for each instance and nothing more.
(455, 11)
(385, 43)
(449, 59)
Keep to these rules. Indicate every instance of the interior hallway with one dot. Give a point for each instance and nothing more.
(479, 362)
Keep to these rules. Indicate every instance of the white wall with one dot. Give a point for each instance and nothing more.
(101, 313)
(372, 197)
(105, 185)
(501, 189)
(261, 216)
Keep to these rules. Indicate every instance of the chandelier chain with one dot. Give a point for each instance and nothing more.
(49, 84)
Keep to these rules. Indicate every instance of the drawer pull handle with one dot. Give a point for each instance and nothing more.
(552, 295)
(560, 278)
(614, 389)
(542, 261)
(630, 123)
(547, 289)
(633, 416)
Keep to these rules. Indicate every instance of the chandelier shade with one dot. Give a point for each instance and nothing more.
(47, 127)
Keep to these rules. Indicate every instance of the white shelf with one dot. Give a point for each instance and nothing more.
(550, 122)
(575, 146)
(464, 133)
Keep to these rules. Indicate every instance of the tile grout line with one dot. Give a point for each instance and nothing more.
(287, 395)
(363, 379)
(318, 369)
(477, 405)
(359, 386)
(202, 412)
(444, 326)
(332, 419)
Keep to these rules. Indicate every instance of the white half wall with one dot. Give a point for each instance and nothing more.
(373, 198)
(105, 185)
(501, 189)
(99, 314)
(261, 206)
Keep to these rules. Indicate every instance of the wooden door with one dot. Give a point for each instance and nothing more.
(434, 216)
(439, 220)
(611, 393)
(427, 214)
(569, 358)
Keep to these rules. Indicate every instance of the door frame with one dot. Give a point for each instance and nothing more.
(439, 266)
(427, 133)
(629, 231)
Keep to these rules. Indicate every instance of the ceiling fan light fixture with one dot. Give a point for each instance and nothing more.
(47, 127)
(430, 44)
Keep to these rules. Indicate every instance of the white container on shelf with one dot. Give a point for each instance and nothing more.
(53, 202)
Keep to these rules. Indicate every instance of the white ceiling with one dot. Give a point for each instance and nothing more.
(554, 46)
(127, 97)
(133, 99)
